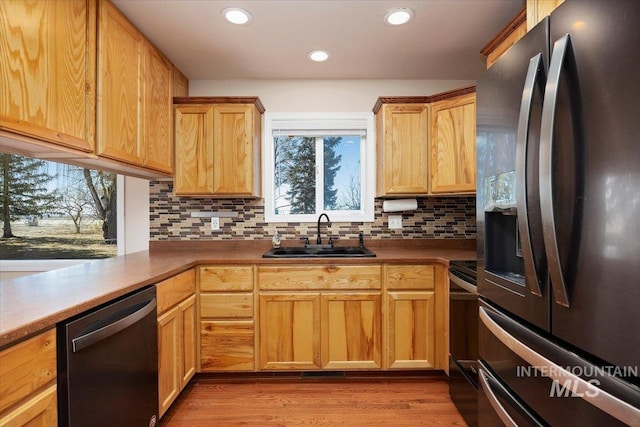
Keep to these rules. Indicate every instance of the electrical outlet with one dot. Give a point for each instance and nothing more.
(395, 221)
(215, 223)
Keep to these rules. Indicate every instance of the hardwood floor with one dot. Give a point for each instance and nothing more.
(291, 401)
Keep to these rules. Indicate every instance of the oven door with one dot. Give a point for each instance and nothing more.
(463, 346)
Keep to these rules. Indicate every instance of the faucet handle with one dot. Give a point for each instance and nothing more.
(306, 240)
(361, 239)
(332, 240)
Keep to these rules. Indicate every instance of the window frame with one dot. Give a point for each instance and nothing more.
(330, 122)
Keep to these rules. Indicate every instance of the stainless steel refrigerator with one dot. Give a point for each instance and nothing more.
(558, 210)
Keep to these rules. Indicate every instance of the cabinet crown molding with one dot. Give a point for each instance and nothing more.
(220, 100)
(421, 99)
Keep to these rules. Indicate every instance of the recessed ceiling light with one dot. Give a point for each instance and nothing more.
(318, 55)
(398, 16)
(237, 16)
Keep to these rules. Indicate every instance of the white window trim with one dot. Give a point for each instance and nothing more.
(342, 121)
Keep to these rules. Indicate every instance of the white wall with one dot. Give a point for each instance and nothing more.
(133, 215)
(322, 95)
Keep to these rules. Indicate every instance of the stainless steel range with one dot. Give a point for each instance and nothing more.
(463, 339)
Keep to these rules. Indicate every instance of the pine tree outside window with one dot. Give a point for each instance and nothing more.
(317, 163)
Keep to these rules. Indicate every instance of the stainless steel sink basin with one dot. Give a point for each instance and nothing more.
(335, 252)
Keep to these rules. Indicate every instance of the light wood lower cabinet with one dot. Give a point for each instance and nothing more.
(227, 327)
(415, 324)
(320, 317)
(177, 320)
(411, 329)
(351, 330)
(28, 391)
(289, 331)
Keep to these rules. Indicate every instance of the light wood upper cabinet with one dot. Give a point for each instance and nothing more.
(217, 144)
(403, 144)
(538, 9)
(120, 63)
(194, 149)
(47, 71)
(234, 148)
(426, 144)
(135, 92)
(180, 83)
(157, 135)
(453, 145)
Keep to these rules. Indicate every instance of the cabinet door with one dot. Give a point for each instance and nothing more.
(403, 151)
(47, 52)
(169, 357)
(289, 331)
(120, 62)
(453, 145)
(158, 111)
(39, 410)
(351, 330)
(189, 323)
(194, 150)
(411, 339)
(234, 159)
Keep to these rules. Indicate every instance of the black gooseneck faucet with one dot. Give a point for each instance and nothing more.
(319, 240)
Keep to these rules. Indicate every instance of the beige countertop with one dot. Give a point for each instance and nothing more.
(37, 302)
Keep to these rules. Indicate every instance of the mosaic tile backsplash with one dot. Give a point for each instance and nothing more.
(170, 219)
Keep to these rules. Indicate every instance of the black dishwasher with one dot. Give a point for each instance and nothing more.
(108, 364)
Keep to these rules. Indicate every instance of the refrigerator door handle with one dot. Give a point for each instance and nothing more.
(599, 398)
(493, 400)
(560, 49)
(90, 338)
(535, 73)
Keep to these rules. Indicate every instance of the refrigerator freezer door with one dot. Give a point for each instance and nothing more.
(595, 179)
(500, 261)
(554, 382)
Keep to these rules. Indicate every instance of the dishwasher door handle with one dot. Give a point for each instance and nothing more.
(86, 340)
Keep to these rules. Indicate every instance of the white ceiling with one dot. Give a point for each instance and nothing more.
(443, 41)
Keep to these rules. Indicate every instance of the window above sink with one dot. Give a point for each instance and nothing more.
(319, 162)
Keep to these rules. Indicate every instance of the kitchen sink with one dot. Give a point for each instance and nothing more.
(334, 252)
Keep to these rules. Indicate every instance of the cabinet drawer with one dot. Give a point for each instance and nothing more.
(320, 277)
(175, 289)
(226, 278)
(26, 367)
(226, 305)
(227, 346)
(411, 276)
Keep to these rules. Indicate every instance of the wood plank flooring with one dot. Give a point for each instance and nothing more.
(314, 401)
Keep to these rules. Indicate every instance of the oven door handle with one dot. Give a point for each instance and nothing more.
(463, 284)
(493, 400)
(90, 338)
